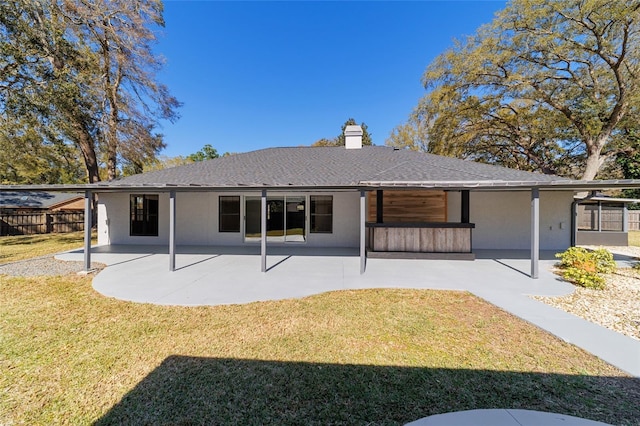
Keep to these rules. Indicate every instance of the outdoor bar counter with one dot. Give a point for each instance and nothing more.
(425, 240)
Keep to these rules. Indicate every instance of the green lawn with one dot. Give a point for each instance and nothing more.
(21, 247)
(70, 355)
(634, 238)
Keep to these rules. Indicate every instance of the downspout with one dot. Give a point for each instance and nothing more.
(574, 217)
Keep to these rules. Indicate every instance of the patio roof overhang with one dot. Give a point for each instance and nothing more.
(363, 186)
(485, 185)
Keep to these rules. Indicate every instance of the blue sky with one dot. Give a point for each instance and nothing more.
(260, 74)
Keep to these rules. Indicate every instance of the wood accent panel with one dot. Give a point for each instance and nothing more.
(410, 206)
(420, 240)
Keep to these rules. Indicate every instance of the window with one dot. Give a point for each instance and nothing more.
(229, 213)
(321, 214)
(144, 215)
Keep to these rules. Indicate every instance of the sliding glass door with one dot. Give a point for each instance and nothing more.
(286, 219)
(295, 219)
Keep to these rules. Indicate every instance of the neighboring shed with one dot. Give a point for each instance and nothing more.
(40, 212)
(14, 201)
(602, 220)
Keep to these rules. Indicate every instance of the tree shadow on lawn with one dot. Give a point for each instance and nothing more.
(190, 390)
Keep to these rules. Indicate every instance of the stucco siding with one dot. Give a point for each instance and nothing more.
(113, 220)
(197, 220)
(503, 219)
(454, 201)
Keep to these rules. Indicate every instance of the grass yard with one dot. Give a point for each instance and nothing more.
(378, 357)
(634, 238)
(13, 248)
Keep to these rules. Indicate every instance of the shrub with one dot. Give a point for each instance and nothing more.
(604, 261)
(582, 267)
(600, 261)
(584, 278)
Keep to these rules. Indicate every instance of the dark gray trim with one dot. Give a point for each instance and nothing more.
(363, 235)
(379, 206)
(559, 184)
(263, 231)
(420, 225)
(88, 201)
(599, 216)
(535, 232)
(172, 231)
(464, 206)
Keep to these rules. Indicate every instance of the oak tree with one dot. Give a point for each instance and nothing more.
(546, 86)
(87, 73)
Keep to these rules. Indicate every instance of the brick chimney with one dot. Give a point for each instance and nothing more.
(353, 137)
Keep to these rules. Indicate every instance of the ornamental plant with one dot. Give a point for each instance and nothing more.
(584, 267)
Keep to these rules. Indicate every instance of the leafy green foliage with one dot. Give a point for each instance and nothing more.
(206, 153)
(583, 267)
(26, 158)
(549, 85)
(340, 140)
(84, 74)
(629, 162)
(584, 278)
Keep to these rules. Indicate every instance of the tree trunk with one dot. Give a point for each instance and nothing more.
(84, 141)
(594, 161)
(111, 165)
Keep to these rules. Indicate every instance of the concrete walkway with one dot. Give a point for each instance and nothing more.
(502, 417)
(231, 275)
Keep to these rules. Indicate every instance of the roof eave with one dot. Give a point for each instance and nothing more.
(564, 184)
(576, 185)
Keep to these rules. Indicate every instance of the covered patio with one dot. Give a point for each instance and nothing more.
(207, 275)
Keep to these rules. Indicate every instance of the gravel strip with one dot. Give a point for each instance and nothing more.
(45, 265)
(617, 307)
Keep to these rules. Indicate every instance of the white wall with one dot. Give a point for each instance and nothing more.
(113, 220)
(503, 219)
(454, 201)
(197, 220)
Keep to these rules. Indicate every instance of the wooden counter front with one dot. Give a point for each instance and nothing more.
(420, 237)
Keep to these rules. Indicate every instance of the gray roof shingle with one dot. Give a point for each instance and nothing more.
(34, 199)
(329, 167)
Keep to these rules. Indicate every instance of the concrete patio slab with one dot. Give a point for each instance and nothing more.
(503, 417)
(231, 275)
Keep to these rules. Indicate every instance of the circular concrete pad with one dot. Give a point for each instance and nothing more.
(503, 417)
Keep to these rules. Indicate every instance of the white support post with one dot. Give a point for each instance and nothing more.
(88, 201)
(172, 230)
(535, 232)
(363, 240)
(263, 232)
(625, 218)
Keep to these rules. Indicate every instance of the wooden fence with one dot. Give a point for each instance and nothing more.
(634, 220)
(41, 223)
(611, 218)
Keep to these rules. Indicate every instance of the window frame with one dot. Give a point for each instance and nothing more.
(150, 227)
(221, 214)
(313, 215)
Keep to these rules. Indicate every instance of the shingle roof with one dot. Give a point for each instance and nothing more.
(330, 167)
(34, 199)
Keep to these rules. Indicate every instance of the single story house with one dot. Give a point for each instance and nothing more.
(40, 212)
(36, 201)
(384, 201)
(313, 199)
